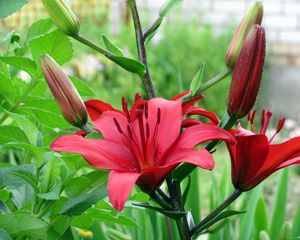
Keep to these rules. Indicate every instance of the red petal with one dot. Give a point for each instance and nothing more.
(120, 185)
(106, 125)
(280, 154)
(198, 134)
(251, 154)
(202, 112)
(289, 163)
(201, 158)
(97, 107)
(98, 152)
(170, 122)
(189, 122)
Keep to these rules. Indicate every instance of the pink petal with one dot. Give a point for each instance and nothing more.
(170, 122)
(97, 107)
(198, 134)
(120, 185)
(100, 153)
(106, 125)
(189, 122)
(151, 178)
(201, 158)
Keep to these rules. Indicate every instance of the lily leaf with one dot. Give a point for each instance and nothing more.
(128, 64)
(111, 46)
(168, 213)
(197, 80)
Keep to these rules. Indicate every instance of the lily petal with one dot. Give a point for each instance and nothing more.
(120, 185)
(200, 133)
(100, 153)
(106, 125)
(202, 112)
(97, 107)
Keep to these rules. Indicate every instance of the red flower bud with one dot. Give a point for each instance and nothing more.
(253, 16)
(247, 74)
(69, 100)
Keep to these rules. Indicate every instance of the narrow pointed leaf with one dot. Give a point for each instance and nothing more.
(29, 177)
(128, 64)
(111, 46)
(197, 81)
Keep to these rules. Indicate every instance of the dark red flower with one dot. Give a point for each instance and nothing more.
(254, 158)
(141, 145)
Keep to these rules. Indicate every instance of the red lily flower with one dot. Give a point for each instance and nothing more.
(254, 158)
(142, 145)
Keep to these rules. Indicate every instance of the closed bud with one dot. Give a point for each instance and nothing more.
(69, 100)
(62, 16)
(247, 74)
(253, 16)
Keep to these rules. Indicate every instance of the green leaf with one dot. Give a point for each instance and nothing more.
(166, 8)
(128, 64)
(7, 89)
(77, 186)
(222, 216)
(23, 225)
(117, 235)
(27, 126)
(50, 175)
(53, 193)
(4, 235)
(21, 63)
(279, 209)
(77, 205)
(39, 28)
(55, 43)
(197, 81)
(82, 87)
(12, 134)
(295, 226)
(111, 46)
(247, 221)
(45, 111)
(186, 190)
(61, 224)
(82, 222)
(261, 217)
(8, 7)
(168, 213)
(27, 176)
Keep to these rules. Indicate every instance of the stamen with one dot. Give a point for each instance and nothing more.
(265, 121)
(147, 130)
(279, 128)
(137, 97)
(125, 109)
(129, 132)
(251, 117)
(118, 125)
(158, 116)
(146, 110)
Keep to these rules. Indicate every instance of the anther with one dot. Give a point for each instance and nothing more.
(158, 116)
(118, 125)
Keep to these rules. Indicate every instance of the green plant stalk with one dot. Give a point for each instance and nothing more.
(210, 83)
(152, 28)
(20, 100)
(140, 40)
(185, 169)
(176, 198)
(199, 227)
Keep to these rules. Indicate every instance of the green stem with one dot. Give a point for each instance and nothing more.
(92, 44)
(213, 81)
(199, 227)
(182, 223)
(185, 169)
(140, 41)
(160, 201)
(19, 101)
(152, 28)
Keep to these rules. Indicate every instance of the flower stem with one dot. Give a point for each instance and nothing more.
(185, 169)
(199, 227)
(213, 81)
(140, 41)
(175, 194)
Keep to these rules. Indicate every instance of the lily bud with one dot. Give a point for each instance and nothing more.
(62, 16)
(65, 93)
(247, 74)
(253, 16)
